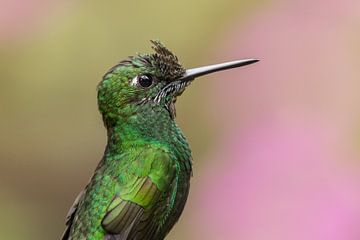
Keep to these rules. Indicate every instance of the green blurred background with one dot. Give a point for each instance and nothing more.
(53, 54)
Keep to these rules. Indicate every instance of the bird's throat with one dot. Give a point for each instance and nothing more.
(151, 124)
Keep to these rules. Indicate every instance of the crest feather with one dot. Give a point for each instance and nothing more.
(165, 61)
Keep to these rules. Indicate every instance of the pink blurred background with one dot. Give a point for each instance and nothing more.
(275, 145)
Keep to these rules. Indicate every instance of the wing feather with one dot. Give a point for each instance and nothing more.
(143, 186)
(70, 216)
(134, 213)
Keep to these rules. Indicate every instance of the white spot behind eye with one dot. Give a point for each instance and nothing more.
(134, 81)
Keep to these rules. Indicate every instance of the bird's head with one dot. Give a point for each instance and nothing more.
(150, 80)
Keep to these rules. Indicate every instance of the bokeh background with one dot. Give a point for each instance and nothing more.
(276, 145)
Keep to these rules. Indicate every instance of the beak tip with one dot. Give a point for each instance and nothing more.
(254, 60)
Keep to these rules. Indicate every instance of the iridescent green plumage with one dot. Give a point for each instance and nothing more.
(140, 186)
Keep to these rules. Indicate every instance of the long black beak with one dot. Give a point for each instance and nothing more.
(193, 73)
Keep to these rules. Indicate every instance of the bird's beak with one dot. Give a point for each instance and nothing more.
(177, 87)
(193, 73)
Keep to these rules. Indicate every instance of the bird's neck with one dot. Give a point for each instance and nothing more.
(149, 127)
(150, 124)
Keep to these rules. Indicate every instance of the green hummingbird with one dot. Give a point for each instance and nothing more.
(140, 187)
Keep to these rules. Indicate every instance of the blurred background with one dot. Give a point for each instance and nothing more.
(276, 145)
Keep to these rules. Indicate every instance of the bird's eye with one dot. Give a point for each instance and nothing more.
(145, 80)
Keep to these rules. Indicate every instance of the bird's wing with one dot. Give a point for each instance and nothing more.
(70, 216)
(134, 211)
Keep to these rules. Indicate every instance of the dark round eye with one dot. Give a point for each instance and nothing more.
(145, 80)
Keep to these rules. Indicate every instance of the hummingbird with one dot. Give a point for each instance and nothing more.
(139, 188)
